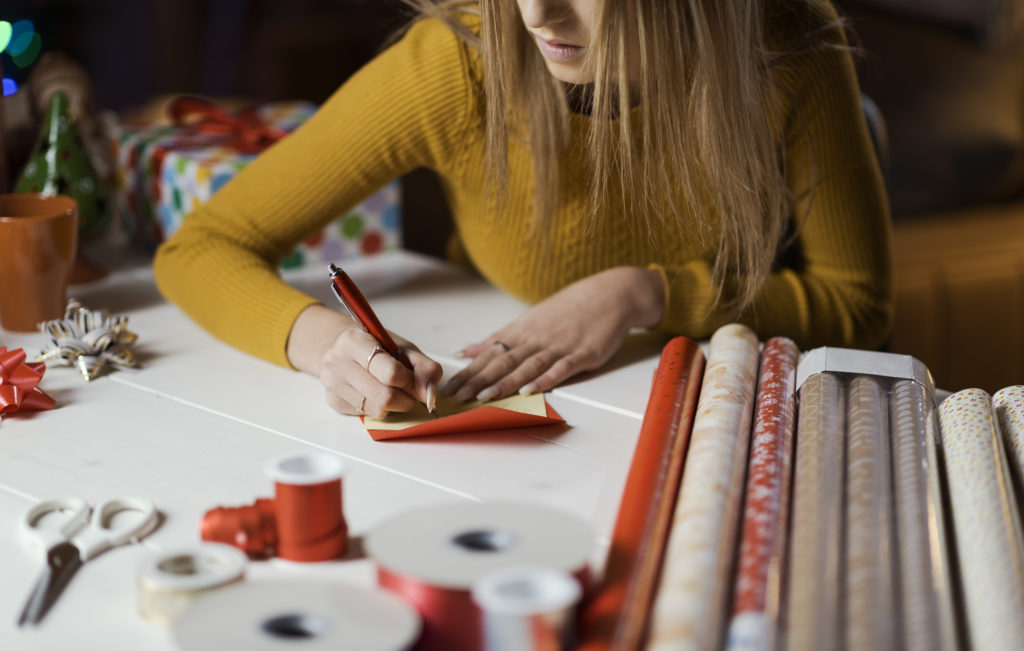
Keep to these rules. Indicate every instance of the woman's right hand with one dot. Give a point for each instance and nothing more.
(358, 381)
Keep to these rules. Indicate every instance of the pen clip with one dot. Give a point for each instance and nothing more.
(341, 299)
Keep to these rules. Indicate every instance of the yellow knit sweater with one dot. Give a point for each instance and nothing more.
(417, 104)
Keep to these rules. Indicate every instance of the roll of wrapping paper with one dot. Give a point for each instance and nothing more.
(616, 617)
(762, 545)
(926, 604)
(986, 521)
(1009, 404)
(691, 604)
(813, 578)
(870, 621)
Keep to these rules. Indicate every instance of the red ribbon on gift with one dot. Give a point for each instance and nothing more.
(18, 381)
(242, 130)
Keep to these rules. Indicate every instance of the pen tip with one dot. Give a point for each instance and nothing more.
(431, 398)
(333, 269)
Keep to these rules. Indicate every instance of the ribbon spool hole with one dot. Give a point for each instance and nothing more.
(485, 540)
(296, 626)
(180, 565)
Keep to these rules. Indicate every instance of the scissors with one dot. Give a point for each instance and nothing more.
(71, 537)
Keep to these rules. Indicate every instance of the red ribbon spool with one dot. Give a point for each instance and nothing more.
(432, 557)
(310, 523)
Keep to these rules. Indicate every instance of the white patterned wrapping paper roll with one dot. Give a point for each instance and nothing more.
(870, 621)
(1009, 404)
(926, 604)
(757, 597)
(812, 596)
(986, 521)
(690, 607)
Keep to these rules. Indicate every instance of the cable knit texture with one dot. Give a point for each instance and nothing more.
(419, 104)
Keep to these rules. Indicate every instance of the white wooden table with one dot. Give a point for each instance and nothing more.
(194, 427)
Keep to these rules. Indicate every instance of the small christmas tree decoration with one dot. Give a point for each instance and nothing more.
(89, 340)
(59, 164)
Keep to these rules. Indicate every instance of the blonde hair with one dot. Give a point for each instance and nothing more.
(704, 129)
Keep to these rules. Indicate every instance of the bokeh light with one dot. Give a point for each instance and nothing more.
(21, 36)
(6, 31)
(10, 86)
(27, 54)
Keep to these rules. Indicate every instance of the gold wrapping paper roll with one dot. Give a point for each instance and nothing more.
(690, 608)
(869, 604)
(986, 520)
(926, 604)
(812, 602)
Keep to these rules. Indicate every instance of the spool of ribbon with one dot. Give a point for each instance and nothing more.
(242, 130)
(89, 340)
(308, 506)
(527, 609)
(251, 528)
(170, 581)
(432, 557)
(306, 615)
(19, 382)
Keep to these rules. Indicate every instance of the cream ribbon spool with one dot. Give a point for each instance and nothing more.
(170, 581)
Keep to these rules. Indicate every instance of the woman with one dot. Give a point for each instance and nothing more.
(670, 164)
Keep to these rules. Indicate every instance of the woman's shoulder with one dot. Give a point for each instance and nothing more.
(447, 31)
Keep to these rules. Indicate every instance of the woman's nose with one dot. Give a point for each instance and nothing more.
(539, 13)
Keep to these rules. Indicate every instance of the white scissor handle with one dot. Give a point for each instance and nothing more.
(100, 536)
(75, 516)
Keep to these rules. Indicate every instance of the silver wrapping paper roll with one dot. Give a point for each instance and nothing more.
(812, 599)
(987, 525)
(926, 603)
(691, 608)
(870, 622)
(527, 608)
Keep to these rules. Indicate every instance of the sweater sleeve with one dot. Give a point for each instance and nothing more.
(403, 110)
(838, 290)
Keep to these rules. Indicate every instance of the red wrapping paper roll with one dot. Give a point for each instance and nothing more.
(762, 547)
(617, 615)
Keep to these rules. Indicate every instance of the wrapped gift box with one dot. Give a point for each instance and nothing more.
(165, 171)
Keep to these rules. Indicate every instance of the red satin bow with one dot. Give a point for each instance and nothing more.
(18, 382)
(243, 130)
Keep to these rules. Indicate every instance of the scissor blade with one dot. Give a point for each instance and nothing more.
(62, 561)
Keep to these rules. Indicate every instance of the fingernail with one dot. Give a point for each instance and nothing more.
(489, 392)
(459, 353)
(528, 389)
(464, 394)
(431, 404)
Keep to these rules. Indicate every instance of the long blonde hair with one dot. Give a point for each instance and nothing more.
(704, 130)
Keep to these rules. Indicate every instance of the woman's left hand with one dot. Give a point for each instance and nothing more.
(577, 329)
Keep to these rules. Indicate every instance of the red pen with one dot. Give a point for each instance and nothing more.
(359, 309)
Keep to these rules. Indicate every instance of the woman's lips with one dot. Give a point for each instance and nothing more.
(558, 52)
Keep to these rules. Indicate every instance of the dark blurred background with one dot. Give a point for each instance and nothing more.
(947, 76)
